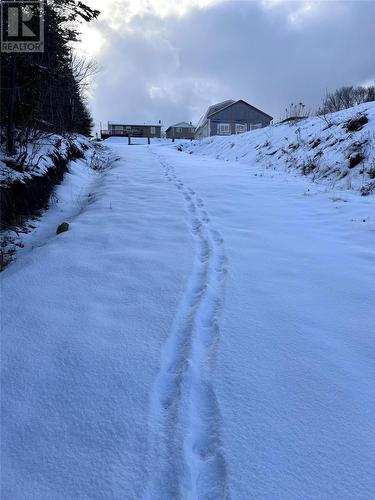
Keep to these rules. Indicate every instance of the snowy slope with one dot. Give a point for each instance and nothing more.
(71, 197)
(321, 147)
(200, 332)
(38, 156)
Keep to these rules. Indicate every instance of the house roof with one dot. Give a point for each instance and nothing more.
(181, 125)
(136, 123)
(218, 107)
(247, 104)
(215, 108)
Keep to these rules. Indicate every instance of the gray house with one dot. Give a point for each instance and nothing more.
(231, 117)
(182, 130)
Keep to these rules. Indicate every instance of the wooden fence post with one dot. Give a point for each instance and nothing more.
(148, 139)
(129, 141)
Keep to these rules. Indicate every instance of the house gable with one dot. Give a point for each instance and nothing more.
(241, 102)
(183, 125)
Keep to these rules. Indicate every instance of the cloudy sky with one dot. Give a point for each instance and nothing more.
(170, 59)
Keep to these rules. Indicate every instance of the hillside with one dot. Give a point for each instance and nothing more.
(337, 149)
(29, 178)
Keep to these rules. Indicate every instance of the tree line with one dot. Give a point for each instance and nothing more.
(45, 91)
(342, 98)
(346, 97)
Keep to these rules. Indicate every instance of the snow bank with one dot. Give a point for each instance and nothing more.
(338, 149)
(35, 159)
(73, 160)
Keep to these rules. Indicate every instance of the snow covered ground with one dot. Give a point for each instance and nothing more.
(204, 330)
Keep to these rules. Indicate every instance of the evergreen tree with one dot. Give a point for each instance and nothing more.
(39, 90)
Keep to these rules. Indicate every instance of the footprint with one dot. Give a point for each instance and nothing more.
(196, 225)
(205, 217)
(169, 389)
(204, 449)
(204, 251)
(218, 240)
(192, 208)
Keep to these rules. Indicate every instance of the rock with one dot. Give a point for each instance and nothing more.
(64, 226)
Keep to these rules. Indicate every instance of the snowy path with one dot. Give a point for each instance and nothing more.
(198, 333)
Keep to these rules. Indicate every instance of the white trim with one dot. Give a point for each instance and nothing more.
(240, 128)
(223, 129)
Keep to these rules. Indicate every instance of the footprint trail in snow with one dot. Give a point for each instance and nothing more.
(185, 421)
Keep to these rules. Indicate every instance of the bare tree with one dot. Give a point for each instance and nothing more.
(84, 70)
(346, 97)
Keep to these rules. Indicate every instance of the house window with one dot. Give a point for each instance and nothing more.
(178, 129)
(152, 130)
(223, 128)
(240, 128)
(254, 126)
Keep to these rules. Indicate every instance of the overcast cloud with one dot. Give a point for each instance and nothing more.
(169, 61)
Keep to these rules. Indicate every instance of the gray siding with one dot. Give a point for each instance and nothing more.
(180, 133)
(238, 113)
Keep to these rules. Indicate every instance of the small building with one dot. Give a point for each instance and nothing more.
(182, 130)
(132, 129)
(231, 117)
